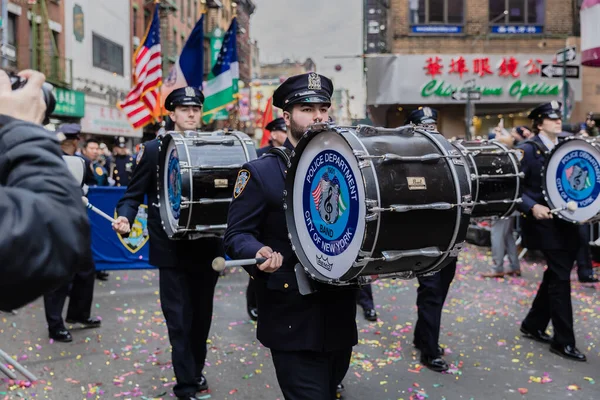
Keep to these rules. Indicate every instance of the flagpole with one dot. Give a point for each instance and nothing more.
(236, 108)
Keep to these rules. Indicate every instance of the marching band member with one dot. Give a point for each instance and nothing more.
(311, 336)
(187, 280)
(557, 239)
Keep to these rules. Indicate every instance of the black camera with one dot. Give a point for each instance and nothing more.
(18, 82)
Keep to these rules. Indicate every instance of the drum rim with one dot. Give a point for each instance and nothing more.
(516, 165)
(460, 209)
(163, 142)
(288, 205)
(548, 156)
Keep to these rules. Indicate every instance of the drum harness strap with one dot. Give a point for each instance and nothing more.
(284, 153)
(541, 148)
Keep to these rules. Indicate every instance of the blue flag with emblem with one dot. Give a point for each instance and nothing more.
(189, 68)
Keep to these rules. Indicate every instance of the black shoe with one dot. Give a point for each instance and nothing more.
(253, 313)
(60, 335)
(568, 351)
(87, 323)
(202, 383)
(370, 314)
(187, 397)
(588, 279)
(102, 275)
(437, 364)
(538, 335)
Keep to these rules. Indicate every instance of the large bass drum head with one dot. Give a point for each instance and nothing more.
(326, 214)
(170, 185)
(572, 173)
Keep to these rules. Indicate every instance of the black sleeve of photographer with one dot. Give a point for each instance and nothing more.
(45, 233)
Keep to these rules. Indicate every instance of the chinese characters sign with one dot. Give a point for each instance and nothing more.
(480, 66)
(69, 103)
(106, 120)
(432, 78)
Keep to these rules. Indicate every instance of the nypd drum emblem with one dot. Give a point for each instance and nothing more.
(330, 205)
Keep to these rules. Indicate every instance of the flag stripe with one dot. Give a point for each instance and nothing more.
(222, 81)
(141, 102)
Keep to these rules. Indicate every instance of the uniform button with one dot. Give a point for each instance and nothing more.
(290, 327)
(116, 171)
(285, 171)
(286, 285)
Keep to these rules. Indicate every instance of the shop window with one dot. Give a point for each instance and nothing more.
(423, 12)
(517, 12)
(107, 54)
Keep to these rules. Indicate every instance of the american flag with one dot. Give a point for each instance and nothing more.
(142, 104)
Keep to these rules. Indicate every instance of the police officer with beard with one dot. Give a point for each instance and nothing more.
(310, 336)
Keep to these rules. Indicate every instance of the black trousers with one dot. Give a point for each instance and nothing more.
(553, 299)
(431, 296)
(309, 375)
(81, 294)
(584, 254)
(365, 297)
(186, 297)
(251, 294)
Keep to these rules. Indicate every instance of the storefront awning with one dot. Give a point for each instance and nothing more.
(107, 120)
(430, 79)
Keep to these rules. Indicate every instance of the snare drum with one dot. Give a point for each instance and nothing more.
(495, 177)
(196, 175)
(372, 201)
(572, 173)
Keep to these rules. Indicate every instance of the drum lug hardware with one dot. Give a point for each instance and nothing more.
(371, 217)
(157, 205)
(458, 247)
(413, 207)
(394, 255)
(364, 164)
(285, 207)
(475, 177)
(388, 157)
(207, 201)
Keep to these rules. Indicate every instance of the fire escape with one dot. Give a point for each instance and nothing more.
(45, 54)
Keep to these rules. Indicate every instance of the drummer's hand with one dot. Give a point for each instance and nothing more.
(121, 225)
(541, 212)
(274, 260)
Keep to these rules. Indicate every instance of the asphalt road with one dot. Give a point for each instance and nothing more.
(129, 356)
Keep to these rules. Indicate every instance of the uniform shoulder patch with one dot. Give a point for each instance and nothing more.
(242, 180)
(140, 154)
(520, 153)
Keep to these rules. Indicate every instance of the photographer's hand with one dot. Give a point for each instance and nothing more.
(27, 103)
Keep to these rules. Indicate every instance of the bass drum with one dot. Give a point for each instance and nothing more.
(495, 177)
(196, 177)
(572, 173)
(372, 201)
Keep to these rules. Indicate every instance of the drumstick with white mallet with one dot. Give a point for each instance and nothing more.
(101, 213)
(571, 206)
(219, 263)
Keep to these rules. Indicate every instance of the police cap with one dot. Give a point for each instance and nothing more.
(549, 110)
(422, 115)
(187, 96)
(120, 141)
(71, 131)
(305, 88)
(276, 125)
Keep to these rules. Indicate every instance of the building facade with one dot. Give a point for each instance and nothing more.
(101, 60)
(503, 50)
(34, 37)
